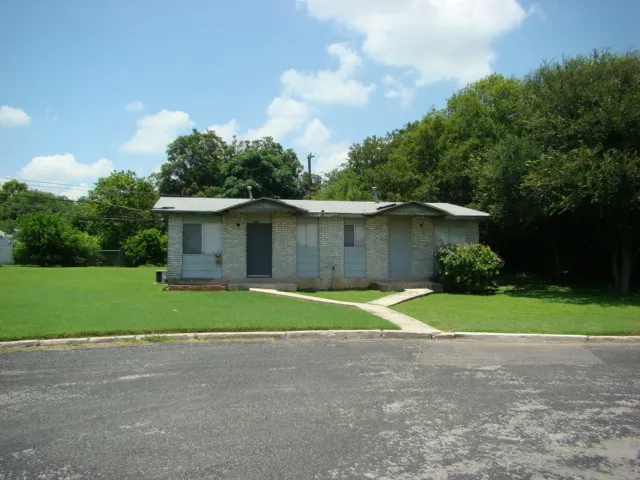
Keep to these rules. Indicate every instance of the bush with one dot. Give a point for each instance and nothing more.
(147, 247)
(470, 268)
(47, 239)
(83, 249)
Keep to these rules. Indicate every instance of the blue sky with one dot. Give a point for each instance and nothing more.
(88, 87)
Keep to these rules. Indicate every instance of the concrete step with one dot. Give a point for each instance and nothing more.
(264, 284)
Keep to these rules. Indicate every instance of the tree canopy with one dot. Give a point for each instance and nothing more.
(553, 157)
(202, 164)
(118, 207)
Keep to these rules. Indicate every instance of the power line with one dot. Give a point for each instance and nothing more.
(87, 188)
(124, 219)
(46, 181)
(61, 199)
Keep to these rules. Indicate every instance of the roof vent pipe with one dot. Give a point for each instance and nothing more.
(250, 193)
(375, 194)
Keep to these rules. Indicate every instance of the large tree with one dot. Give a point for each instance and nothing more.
(265, 166)
(553, 157)
(118, 207)
(585, 111)
(16, 200)
(194, 163)
(202, 164)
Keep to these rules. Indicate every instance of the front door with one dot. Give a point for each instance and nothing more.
(399, 247)
(258, 249)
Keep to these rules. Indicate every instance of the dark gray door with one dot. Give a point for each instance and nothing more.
(259, 249)
(399, 246)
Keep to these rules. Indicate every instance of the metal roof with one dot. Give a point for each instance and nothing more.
(334, 207)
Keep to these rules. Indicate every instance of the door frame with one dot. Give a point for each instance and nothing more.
(260, 221)
(408, 220)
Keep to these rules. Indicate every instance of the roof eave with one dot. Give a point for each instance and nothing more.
(255, 200)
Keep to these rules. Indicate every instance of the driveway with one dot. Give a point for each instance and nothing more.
(322, 410)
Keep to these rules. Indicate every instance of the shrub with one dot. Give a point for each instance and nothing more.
(47, 239)
(83, 249)
(146, 247)
(470, 268)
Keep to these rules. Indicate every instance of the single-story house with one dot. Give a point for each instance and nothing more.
(308, 243)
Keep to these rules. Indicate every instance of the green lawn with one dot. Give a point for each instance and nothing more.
(356, 296)
(530, 309)
(67, 302)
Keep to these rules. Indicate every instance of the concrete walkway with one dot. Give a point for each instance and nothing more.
(400, 297)
(405, 322)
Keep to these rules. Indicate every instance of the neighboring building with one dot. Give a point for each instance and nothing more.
(6, 248)
(308, 243)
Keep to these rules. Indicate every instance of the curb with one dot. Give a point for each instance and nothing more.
(329, 334)
(520, 336)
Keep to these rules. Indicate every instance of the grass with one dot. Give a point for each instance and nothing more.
(356, 296)
(531, 308)
(73, 302)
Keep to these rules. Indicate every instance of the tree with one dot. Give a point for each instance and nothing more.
(12, 187)
(118, 207)
(47, 239)
(16, 200)
(586, 113)
(553, 157)
(194, 164)
(267, 167)
(146, 247)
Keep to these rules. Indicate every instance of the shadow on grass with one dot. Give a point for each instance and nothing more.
(601, 295)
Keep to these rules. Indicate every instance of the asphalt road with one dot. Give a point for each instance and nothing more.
(322, 410)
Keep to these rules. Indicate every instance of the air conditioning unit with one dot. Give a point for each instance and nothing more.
(161, 276)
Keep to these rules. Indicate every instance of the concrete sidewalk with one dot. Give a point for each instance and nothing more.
(396, 298)
(405, 322)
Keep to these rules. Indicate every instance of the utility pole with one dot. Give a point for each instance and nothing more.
(309, 157)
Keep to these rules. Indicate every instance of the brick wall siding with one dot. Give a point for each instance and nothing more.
(422, 244)
(234, 246)
(284, 240)
(376, 243)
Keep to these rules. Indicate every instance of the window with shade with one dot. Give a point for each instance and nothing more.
(354, 253)
(308, 234)
(353, 235)
(192, 238)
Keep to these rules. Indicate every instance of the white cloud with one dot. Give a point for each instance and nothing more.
(134, 106)
(227, 130)
(398, 90)
(13, 117)
(285, 116)
(439, 39)
(64, 168)
(330, 86)
(156, 131)
(317, 140)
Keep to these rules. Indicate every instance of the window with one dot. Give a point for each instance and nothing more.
(353, 235)
(451, 232)
(349, 236)
(192, 238)
(308, 234)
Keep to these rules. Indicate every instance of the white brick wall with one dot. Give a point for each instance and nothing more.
(376, 242)
(174, 246)
(473, 231)
(234, 246)
(284, 239)
(422, 238)
(331, 247)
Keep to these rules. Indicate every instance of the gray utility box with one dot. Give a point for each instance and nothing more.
(161, 276)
